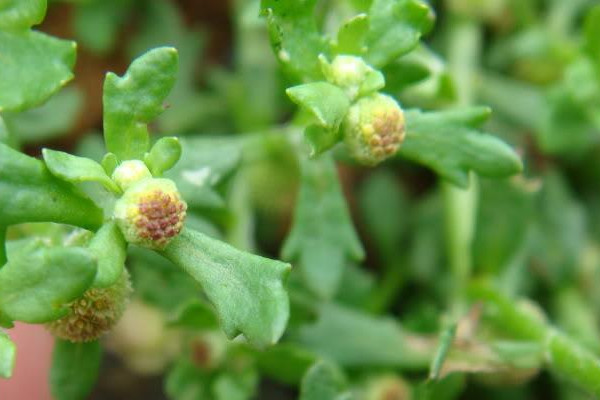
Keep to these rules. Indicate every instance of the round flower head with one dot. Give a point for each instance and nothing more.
(94, 313)
(374, 129)
(150, 213)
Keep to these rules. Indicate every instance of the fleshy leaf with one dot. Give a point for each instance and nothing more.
(449, 143)
(132, 101)
(323, 381)
(21, 14)
(322, 239)
(75, 368)
(36, 283)
(110, 248)
(163, 156)
(247, 290)
(75, 169)
(30, 193)
(8, 352)
(295, 38)
(34, 66)
(395, 27)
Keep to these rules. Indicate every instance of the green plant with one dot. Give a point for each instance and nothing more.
(170, 224)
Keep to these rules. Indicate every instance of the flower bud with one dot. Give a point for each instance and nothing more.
(130, 172)
(150, 213)
(94, 313)
(352, 74)
(374, 129)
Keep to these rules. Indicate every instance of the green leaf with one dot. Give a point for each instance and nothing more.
(449, 143)
(8, 352)
(75, 169)
(295, 38)
(132, 101)
(37, 283)
(30, 193)
(286, 362)
(186, 381)
(196, 315)
(323, 381)
(110, 248)
(351, 37)
(322, 239)
(592, 34)
(97, 23)
(247, 290)
(34, 66)
(21, 14)
(75, 369)
(356, 339)
(395, 27)
(163, 156)
(54, 118)
(238, 385)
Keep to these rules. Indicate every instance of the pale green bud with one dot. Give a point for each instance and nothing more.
(352, 74)
(374, 129)
(130, 172)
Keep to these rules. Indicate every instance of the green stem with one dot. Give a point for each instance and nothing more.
(3, 258)
(389, 287)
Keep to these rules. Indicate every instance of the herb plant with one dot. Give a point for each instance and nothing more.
(424, 257)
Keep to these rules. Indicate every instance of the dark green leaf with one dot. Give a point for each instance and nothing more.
(395, 27)
(30, 193)
(75, 169)
(163, 156)
(247, 290)
(37, 283)
(449, 143)
(34, 66)
(75, 368)
(323, 381)
(110, 249)
(322, 239)
(295, 38)
(21, 14)
(132, 101)
(8, 352)
(286, 362)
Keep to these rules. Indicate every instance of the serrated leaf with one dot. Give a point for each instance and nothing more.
(132, 101)
(295, 38)
(21, 14)
(110, 248)
(322, 240)
(75, 169)
(247, 290)
(8, 352)
(351, 37)
(75, 368)
(37, 283)
(30, 193)
(395, 27)
(322, 381)
(34, 66)
(163, 155)
(449, 143)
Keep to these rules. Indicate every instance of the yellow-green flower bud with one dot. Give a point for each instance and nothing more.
(94, 313)
(374, 129)
(130, 172)
(150, 213)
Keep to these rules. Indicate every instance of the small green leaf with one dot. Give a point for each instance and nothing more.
(163, 156)
(448, 143)
(195, 314)
(286, 362)
(247, 290)
(132, 101)
(322, 239)
(295, 38)
(322, 381)
(235, 385)
(75, 169)
(37, 283)
(18, 15)
(110, 248)
(351, 37)
(8, 352)
(34, 66)
(395, 27)
(30, 193)
(75, 369)
(186, 381)
(109, 162)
